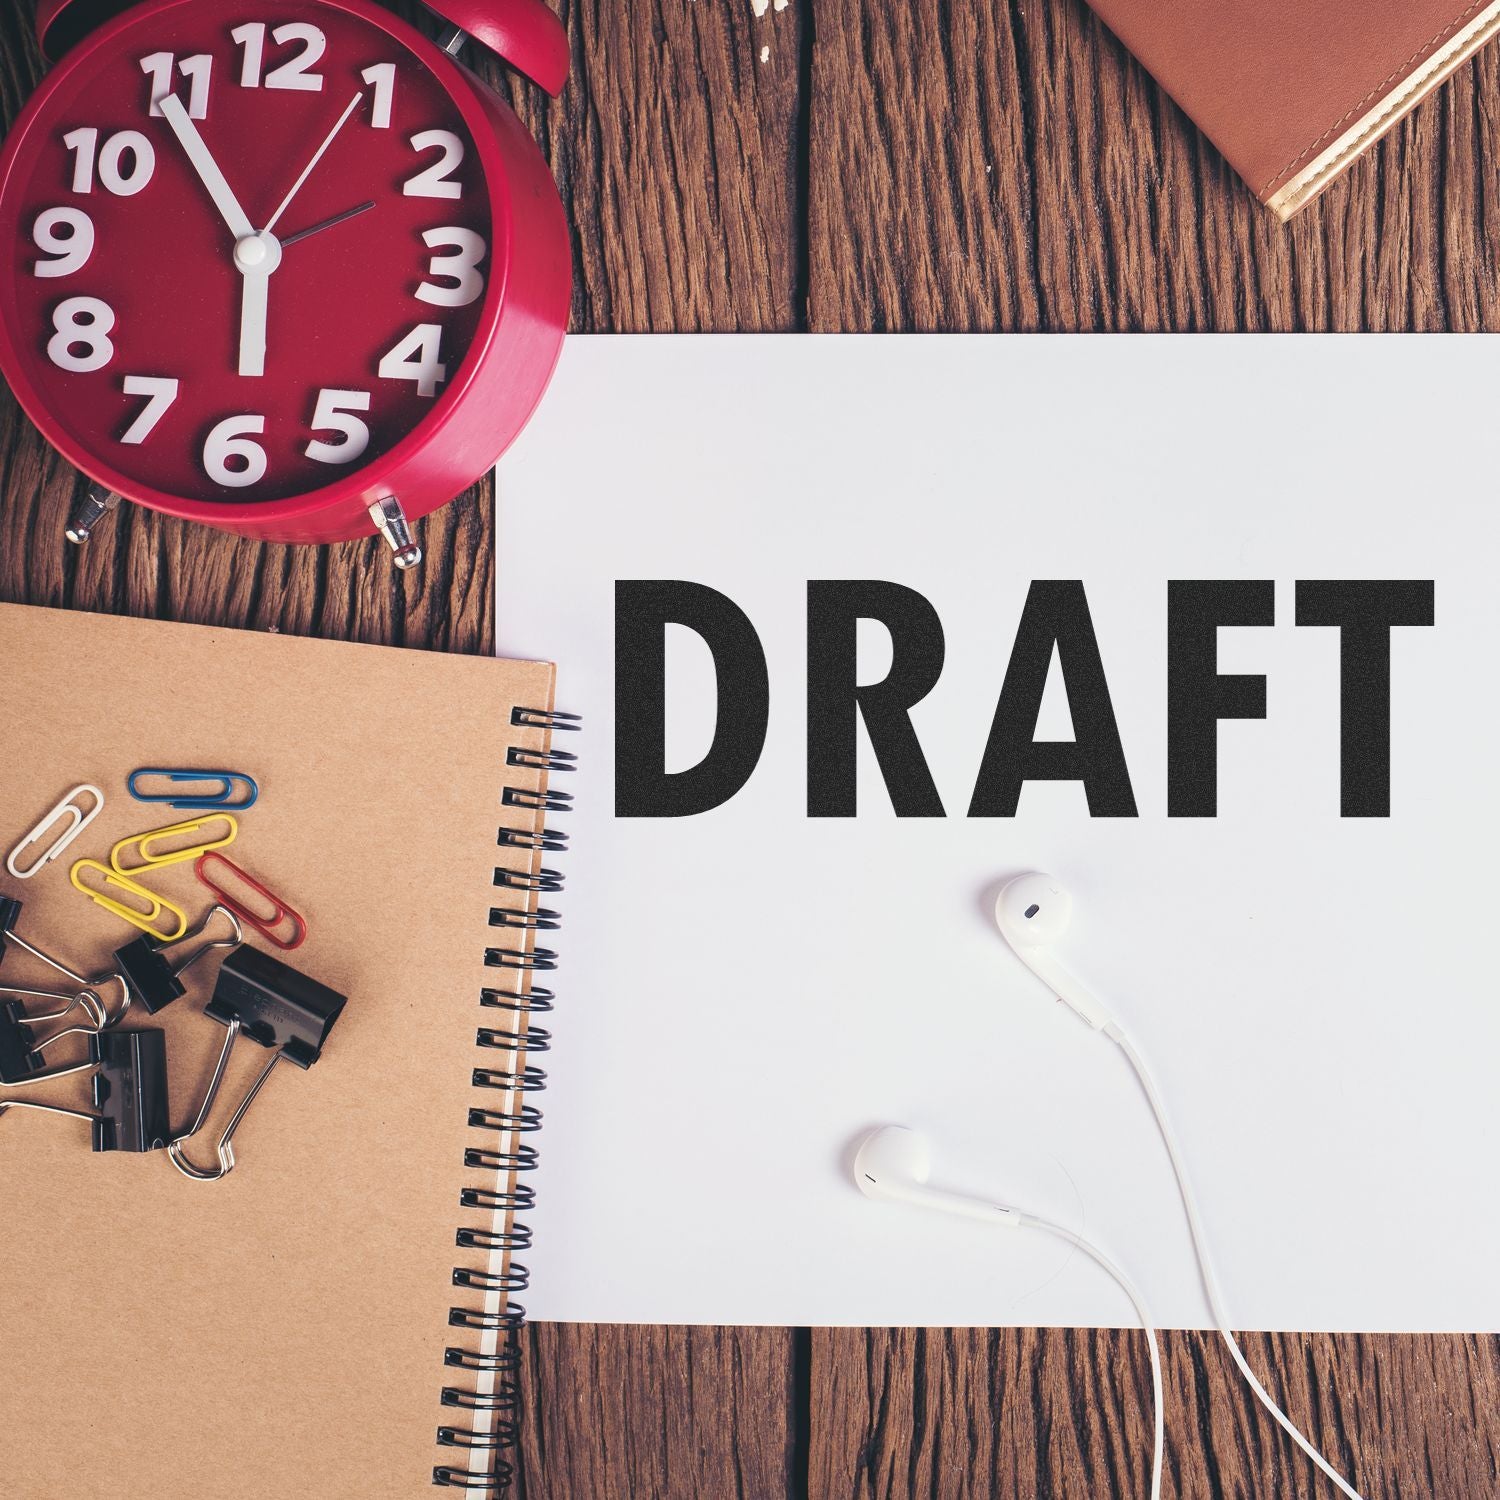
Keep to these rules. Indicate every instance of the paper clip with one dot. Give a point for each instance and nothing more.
(273, 1004)
(144, 842)
(154, 905)
(78, 820)
(155, 980)
(130, 1091)
(221, 800)
(269, 924)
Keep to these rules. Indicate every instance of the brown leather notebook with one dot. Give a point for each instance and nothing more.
(1293, 91)
(297, 1328)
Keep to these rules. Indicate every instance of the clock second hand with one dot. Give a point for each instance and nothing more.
(333, 223)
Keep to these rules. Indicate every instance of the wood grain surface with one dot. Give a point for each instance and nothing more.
(940, 164)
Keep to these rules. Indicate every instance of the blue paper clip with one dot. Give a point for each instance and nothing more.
(221, 799)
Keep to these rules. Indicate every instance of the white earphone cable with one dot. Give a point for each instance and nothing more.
(1205, 1268)
(1031, 1221)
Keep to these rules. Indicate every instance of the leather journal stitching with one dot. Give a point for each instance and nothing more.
(1374, 93)
(1293, 193)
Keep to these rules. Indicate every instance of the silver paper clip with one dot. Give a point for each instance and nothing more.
(77, 821)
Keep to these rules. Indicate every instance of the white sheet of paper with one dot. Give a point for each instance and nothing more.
(745, 991)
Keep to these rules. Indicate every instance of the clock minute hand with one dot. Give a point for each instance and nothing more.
(197, 152)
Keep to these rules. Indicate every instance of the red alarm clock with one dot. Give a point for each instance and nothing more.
(284, 267)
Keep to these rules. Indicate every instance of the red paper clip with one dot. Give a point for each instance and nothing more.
(267, 925)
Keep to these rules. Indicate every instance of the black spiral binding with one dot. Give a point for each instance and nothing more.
(513, 1075)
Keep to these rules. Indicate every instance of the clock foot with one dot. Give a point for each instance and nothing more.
(97, 502)
(390, 521)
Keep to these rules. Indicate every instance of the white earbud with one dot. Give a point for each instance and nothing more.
(1032, 912)
(894, 1162)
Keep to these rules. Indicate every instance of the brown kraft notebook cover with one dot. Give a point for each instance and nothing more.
(1293, 91)
(283, 1331)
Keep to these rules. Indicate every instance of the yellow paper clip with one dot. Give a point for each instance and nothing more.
(154, 905)
(150, 860)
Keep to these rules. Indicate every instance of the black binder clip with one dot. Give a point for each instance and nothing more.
(20, 1053)
(130, 1091)
(155, 980)
(273, 1004)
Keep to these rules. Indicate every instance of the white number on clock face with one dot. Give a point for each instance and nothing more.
(418, 357)
(71, 249)
(198, 70)
(82, 323)
(231, 440)
(335, 414)
(160, 393)
(296, 72)
(462, 267)
(436, 181)
(382, 78)
(127, 147)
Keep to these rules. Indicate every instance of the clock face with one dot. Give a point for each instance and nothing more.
(247, 247)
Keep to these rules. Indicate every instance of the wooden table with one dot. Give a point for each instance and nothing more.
(935, 164)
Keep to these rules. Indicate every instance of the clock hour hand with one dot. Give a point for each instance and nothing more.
(197, 152)
(256, 258)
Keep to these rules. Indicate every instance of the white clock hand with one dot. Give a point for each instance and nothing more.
(256, 258)
(176, 115)
(307, 171)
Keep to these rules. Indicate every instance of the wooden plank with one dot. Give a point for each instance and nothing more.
(1017, 1415)
(657, 1413)
(977, 165)
(677, 152)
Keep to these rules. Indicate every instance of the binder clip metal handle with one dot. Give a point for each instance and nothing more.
(224, 1151)
(10, 913)
(275, 1006)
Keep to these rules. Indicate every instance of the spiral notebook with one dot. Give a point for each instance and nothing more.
(336, 1317)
